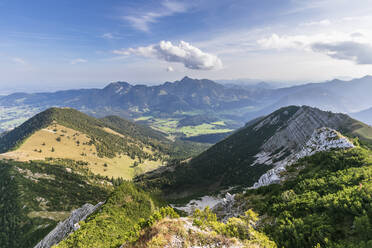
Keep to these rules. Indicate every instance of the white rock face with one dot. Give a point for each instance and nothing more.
(322, 139)
(71, 224)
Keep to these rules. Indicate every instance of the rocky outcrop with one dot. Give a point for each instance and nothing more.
(322, 139)
(68, 226)
(227, 208)
(300, 127)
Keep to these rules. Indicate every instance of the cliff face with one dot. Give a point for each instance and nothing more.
(71, 224)
(300, 127)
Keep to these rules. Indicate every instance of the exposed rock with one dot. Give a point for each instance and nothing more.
(299, 128)
(226, 208)
(68, 226)
(201, 203)
(322, 139)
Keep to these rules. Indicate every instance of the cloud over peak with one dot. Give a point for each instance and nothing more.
(191, 57)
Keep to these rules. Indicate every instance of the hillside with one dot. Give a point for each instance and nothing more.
(117, 220)
(35, 196)
(324, 201)
(110, 146)
(242, 158)
(131, 218)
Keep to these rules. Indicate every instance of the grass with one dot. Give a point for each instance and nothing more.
(143, 118)
(52, 215)
(219, 123)
(75, 145)
(169, 125)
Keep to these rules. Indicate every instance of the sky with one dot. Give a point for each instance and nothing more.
(48, 45)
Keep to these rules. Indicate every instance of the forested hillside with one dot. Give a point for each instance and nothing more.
(235, 161)
(35, 196)
(326, 202)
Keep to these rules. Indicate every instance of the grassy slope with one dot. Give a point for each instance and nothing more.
(56, 141)
(36, 196)
(111, 145)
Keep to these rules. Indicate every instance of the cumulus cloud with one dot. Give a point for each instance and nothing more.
(191, 57)
(169, 69)
(141, 21)
(349, 50)
(78, 61)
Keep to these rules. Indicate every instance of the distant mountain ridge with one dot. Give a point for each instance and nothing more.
(186, 94)
(188, 97)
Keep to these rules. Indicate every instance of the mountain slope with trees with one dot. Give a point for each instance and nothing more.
(35, 196)
(235, 161)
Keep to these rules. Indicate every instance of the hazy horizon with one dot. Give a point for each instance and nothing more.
(238, 81)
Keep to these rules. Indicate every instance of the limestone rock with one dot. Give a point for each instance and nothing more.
(68, 226)
(322, 139)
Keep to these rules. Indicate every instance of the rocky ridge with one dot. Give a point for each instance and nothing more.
(322, 139)
(68, 226)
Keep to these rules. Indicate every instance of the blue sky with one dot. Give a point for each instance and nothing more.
(59, 44)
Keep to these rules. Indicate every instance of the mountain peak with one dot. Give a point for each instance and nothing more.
(187, 79)
(117, 87)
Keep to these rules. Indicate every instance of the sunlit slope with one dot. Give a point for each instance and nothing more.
(111, 147)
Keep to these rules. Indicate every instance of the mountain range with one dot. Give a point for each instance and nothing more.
(188, 97)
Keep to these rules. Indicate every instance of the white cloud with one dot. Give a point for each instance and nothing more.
(356, 46)
(169, 69)
(141, 21)
(19, 61)
(78, 61)
(324, 22)
(348, 50)
(191, 57)
(283, 42)
(108, 36)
